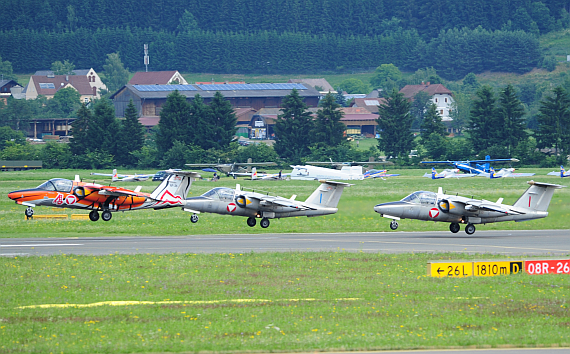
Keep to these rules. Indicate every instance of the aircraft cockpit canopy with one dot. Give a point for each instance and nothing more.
(57, 184)
(220, 193)
(421, 197)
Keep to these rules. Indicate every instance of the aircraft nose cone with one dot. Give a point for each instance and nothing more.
(392, 208)
(17, 194)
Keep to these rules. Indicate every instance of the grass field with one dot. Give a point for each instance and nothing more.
(269, 302)
(355, 207)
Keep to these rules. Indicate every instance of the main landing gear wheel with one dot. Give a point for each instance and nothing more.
(470, 229)
(264, 223)
(194, 218)
(251, 221)
(454, 227)
(106, 215)
(93, 215)
(29, 212)
(394, 225)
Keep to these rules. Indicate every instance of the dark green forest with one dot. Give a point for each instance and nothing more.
(246, 36)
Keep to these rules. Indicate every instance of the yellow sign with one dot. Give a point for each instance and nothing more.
(450, 269)
(490, 268)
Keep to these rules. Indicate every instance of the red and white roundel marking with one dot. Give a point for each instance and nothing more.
(231, 207)
(433, 213)
(70, 199)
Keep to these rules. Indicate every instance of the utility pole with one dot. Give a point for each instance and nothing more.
(146, 60)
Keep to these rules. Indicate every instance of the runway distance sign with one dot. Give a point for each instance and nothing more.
(547, 266)
(492, 268)
(450, 269)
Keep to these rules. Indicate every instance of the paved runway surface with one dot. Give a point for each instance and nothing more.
(538, 242)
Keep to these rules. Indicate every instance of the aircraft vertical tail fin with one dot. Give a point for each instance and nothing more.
(253, 173)
(327, 194)
(492, 173)
(115, 175)
(433, 173)
(537, 196)
(175, 185)
(562, 171)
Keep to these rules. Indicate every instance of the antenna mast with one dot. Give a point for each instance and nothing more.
(146, 61)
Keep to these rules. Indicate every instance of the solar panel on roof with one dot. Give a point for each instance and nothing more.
(48, 85)
(239, 87)
(155, 88)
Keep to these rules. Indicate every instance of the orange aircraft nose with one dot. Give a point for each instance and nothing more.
(15, 195)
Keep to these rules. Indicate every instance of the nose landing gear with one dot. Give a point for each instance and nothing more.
(29, 213)
(394, 225)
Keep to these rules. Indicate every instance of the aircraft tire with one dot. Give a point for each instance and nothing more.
(29, 212)
(470, 229)
(93, 215)
(264, 223)
(454, 227)
(394, 225)
(194, 218)
(106, 215)
(251, 221)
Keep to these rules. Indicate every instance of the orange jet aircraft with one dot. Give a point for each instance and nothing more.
(64, 193)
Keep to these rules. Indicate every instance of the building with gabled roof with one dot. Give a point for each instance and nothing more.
(440, 95)
(47, 86)
(370, 104)
(92, 77)
(322, 84)
(158, 78)
(6, 88)
(359, 121)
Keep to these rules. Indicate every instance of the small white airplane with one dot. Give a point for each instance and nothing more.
(254, 175)
(227, 201)
(562, 173)
(308, 172)
(115, 177)
(448, 173)
(504, 172)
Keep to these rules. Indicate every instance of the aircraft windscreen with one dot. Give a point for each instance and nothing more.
(57, 184)
(219, 193)
(421, 197)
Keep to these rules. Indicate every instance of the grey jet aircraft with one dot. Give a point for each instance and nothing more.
(430, 206)
(253, 205)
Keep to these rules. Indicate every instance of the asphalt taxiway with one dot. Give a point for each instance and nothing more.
(507, 242)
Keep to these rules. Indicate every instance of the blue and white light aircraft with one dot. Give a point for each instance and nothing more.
(473, 166)
(562, 173)
(504, 172)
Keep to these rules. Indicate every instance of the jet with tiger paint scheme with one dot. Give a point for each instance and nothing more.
(562, 173)
(456, 210)
(254, 205)
(65, 193)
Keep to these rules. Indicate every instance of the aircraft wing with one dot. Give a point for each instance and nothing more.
(522, 174)
(459, 175)
(115, 192)
(255, 164)
(553, 173)
(269, 201)
(201, 164)
(489, 206)
(106, 174)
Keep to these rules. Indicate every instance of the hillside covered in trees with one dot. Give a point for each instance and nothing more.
(247, 36)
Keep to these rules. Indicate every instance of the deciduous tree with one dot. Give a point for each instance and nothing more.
(115, 75)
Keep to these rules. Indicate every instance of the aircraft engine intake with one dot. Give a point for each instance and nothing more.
(241, 201)
(443, 205)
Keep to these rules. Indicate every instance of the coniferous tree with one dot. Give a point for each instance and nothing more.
(394, 124)
(485, 124)
(512, 113)
(554, 122)
(132, 136)
(106, 130)
(223, 121)
(197, 127)
(293, 129)
(328, 127)
(81, 132)
(432, 122)
(174, 122)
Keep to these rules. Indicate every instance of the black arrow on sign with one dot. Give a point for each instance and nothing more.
(439, 270)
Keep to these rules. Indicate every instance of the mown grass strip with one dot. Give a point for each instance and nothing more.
(365, 301)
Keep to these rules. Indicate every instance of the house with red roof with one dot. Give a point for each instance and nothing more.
(158, 78)
(440, 95)
(48, 85)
